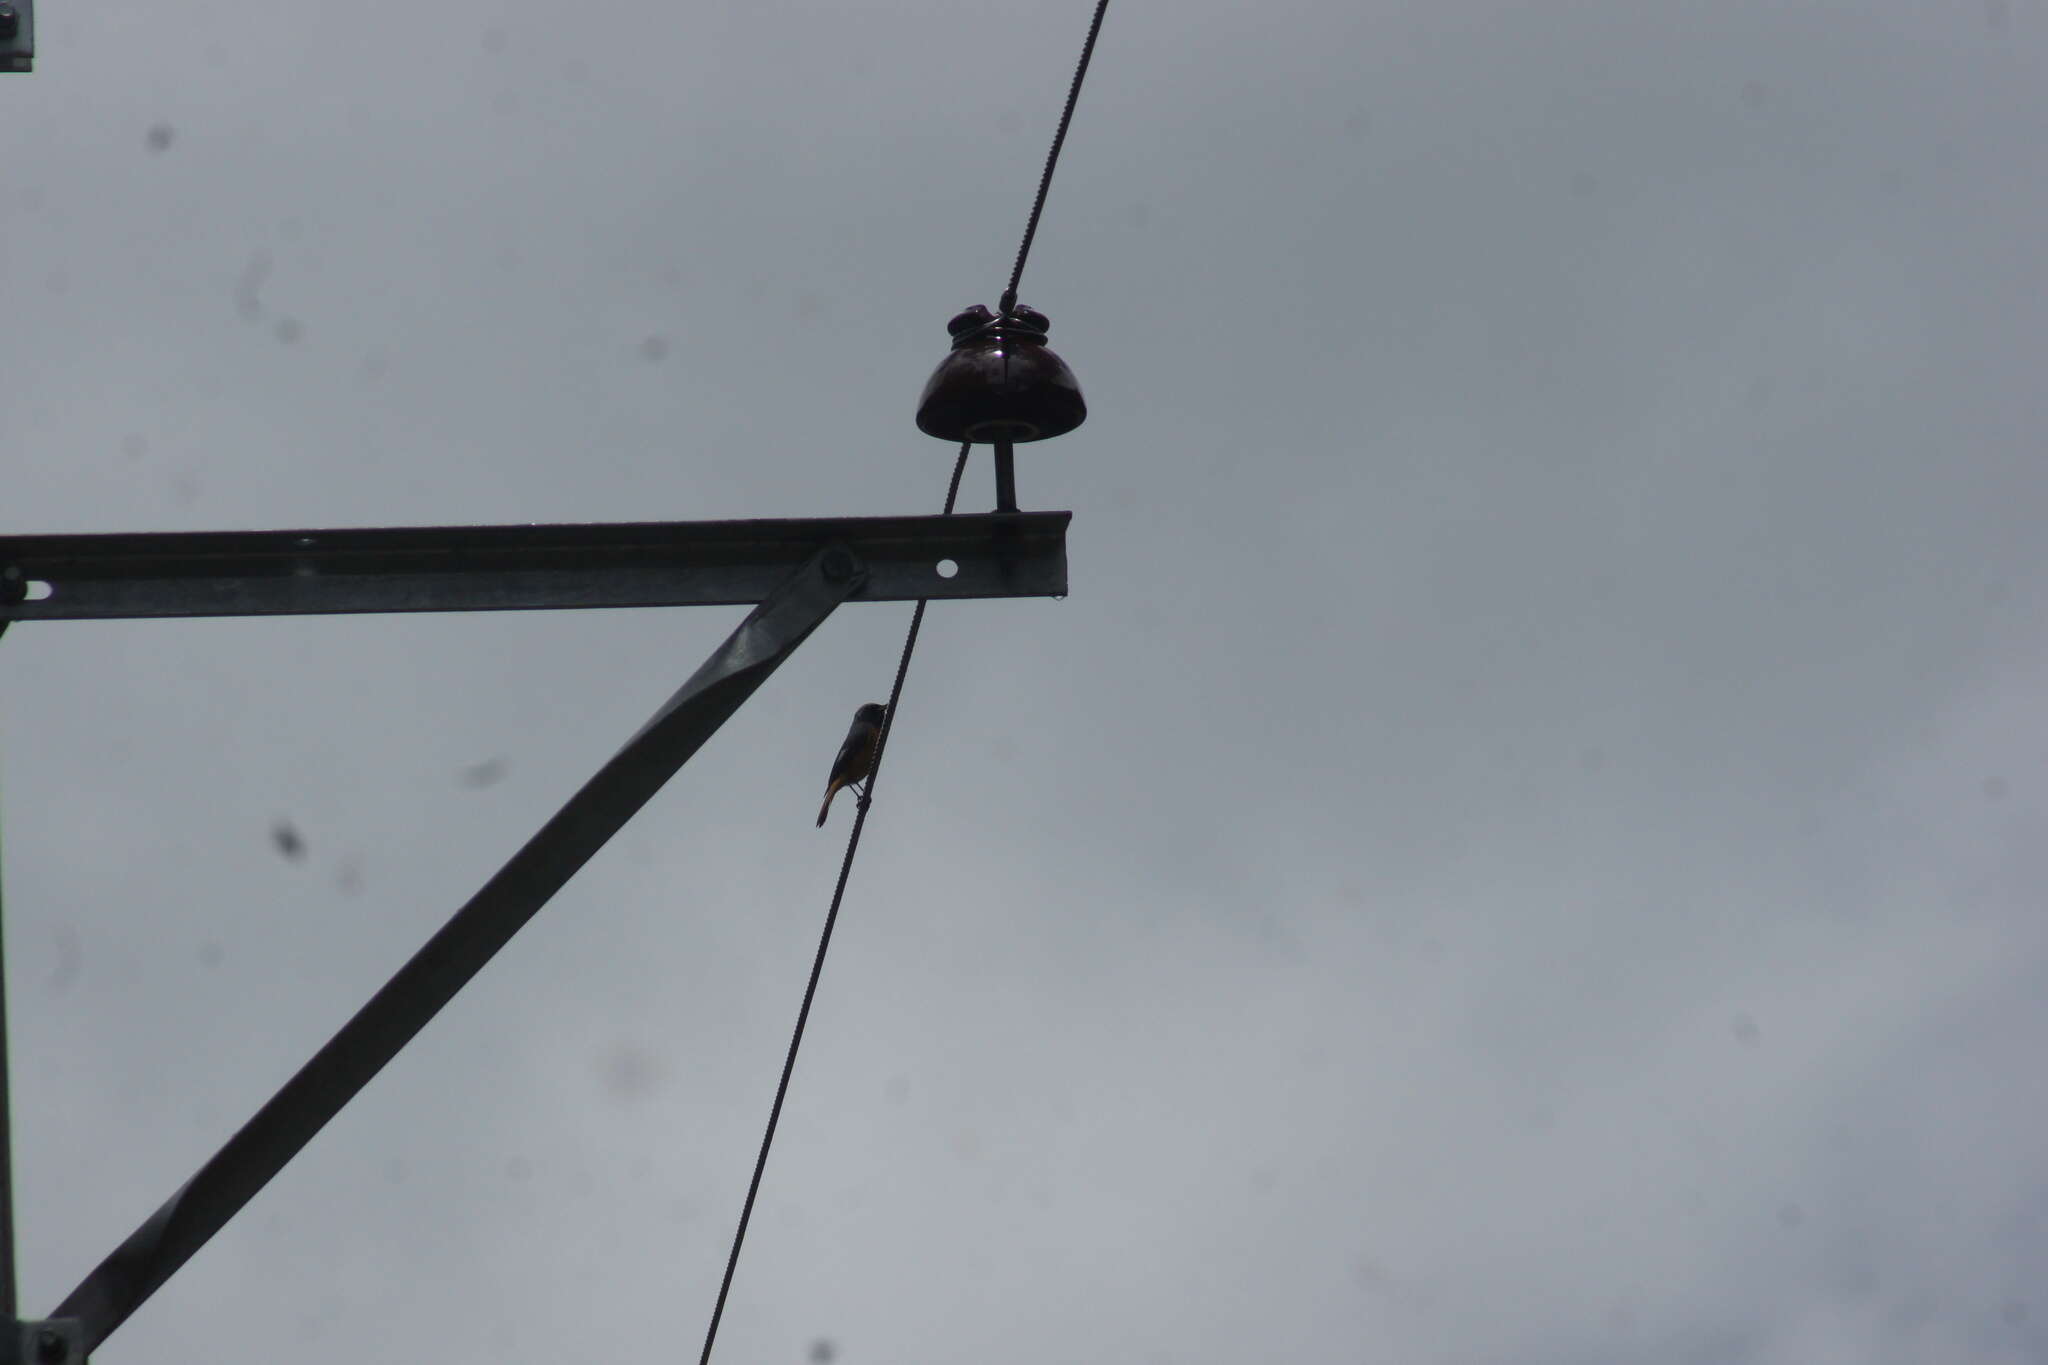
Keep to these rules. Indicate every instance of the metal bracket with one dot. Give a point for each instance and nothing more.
(57, 1341)
(17, 35)
(797, 571)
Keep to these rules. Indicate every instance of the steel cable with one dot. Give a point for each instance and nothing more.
(803, 1014)
(1009, 302)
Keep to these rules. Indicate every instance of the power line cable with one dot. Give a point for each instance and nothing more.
(1052, 157)
(803, 1014)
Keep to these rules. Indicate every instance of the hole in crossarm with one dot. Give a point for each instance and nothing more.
(947, 568)
(14, 589)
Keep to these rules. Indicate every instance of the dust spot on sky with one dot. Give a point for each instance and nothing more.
(1370, 1276)
(823, 1352)
(628, 1071)
(292, 844)
(160, 137)
(70, 960)
(1745, 1030)
(488, 773)
(249, 287)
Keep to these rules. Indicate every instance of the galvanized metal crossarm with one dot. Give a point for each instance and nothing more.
(500, 568)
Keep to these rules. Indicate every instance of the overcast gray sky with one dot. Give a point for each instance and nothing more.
(1524, 844)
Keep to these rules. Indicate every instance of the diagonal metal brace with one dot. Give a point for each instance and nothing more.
(140, 1265)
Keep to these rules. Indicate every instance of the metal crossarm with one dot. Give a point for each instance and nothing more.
(461, 948)
(497, 568)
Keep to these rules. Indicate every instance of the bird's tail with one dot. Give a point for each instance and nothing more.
(823, 810)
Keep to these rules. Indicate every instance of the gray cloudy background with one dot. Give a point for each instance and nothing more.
(1524, 844)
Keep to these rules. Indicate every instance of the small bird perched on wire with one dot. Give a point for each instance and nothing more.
(857, 755)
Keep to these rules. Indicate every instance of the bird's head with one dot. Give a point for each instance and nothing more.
(872, 713)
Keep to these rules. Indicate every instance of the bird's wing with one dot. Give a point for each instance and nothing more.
(853, 754)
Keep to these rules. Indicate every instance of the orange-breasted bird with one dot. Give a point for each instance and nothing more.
(857, 755)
